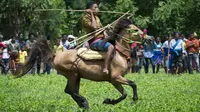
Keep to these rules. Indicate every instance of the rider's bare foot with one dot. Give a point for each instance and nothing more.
(105, 71)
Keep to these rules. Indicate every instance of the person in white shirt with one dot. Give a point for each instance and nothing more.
(166, 49)
(5, 58)
(176, 51)
(64, 42)
(73, 41)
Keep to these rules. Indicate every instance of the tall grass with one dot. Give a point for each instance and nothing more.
(157, 93)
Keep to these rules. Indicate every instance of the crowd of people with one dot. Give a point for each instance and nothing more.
(13, 52)
(176, 51)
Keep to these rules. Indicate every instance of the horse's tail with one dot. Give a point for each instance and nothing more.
(40, 49)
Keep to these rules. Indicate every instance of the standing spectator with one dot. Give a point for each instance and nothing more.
(176, 52)
(30, 42)
(2, 61)
(47, 66)
(58, 47)
(21, 44)
(133, 57)
(166, 50)
(5, 57)
(157, 58)
(13, 46)
(192, 48)
(22, 55)
(140, 57)
(185, 55)
(148, 54)
(64, 42)
(73, 41)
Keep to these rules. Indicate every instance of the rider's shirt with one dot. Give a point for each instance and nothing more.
(87, 24)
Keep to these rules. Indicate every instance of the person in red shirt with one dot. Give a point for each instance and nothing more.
(2, 47)
(192, 45)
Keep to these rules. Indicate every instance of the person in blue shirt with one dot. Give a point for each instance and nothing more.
(157, 58)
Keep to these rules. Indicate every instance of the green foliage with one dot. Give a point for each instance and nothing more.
(157, 93)
(161, 17)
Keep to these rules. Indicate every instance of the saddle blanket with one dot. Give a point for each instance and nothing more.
(88, 54)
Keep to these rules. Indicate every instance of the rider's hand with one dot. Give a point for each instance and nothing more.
(89, 11)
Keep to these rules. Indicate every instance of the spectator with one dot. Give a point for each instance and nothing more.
(21, 44)
(140, 57)
(192, 48)
(73, 41)
(30, 42)
(58, 47)
(157, 58)
(176, 52)
(64, 42)
(166, 50)
(185, 55)
(148, 54)
(5, 57)
(22, 55)
(2, 56)
(13, 46)
(47, 66)
(134, 57)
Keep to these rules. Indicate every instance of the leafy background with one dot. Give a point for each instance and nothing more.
(160, 17)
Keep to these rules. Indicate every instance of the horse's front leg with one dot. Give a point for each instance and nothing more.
(119, 87)
(72, 88)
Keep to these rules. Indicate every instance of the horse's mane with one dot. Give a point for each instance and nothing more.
(121, 24)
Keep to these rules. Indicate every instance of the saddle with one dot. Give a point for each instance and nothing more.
(88, 54)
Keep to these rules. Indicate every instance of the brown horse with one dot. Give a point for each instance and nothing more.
(74, 68)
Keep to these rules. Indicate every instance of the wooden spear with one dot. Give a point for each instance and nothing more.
(63, 10)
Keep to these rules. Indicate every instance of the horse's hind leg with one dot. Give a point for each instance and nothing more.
(119, 87)
(124, 81)
(72, 88)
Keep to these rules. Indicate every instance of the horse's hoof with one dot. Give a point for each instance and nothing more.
(107, 101)
(133, 102)
(84, 105)
(135, 98)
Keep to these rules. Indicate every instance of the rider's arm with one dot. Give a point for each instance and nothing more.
(89, 22)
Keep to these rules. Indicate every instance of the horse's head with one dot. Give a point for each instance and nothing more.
(127, 32)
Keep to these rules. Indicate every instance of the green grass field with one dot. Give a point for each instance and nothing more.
(157, 93)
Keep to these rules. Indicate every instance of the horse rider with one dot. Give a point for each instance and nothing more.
(91, 22)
